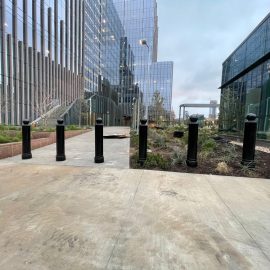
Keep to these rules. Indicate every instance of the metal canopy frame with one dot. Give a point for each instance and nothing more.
(194, 105)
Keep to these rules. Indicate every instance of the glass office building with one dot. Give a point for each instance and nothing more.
(92, 44)
(54, 52)
(140, 22)
(57, 52)
(104, 61)
(127, 90)
(161, 75)
(41, 56)
(246, 82)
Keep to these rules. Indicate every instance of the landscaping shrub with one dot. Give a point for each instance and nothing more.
(156, 161)
(10, 134)
(43, 129)
(4, 139)
(178, 156)
(14, 128)
(209, 145)
(157, 138)
(185, 138)
(8, 127)
(134, 139)
(152, 133)
(214, 156)
(160, 141)
(73, 127)
(8, 139)
(229, 153)
(248, 171)
(180, 127)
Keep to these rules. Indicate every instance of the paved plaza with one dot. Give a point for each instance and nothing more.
(80, 151)
(83, 216)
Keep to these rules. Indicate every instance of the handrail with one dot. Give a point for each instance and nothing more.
(69, 107)
(46, 114)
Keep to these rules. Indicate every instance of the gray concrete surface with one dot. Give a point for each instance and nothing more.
(67, 217)
(80, 151)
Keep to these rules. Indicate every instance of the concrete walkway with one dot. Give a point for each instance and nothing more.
(67, 217)
(80, 151)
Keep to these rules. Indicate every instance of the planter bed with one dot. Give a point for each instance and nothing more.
(217, 157)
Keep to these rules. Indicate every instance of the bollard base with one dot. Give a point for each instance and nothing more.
(61, 158)
(26, 155)
(99, 159)
(192, 163)
(248, 163)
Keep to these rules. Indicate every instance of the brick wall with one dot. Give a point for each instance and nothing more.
(13, 149)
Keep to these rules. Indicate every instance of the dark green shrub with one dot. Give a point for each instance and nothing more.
(50, 129)
(134, 139)
(4, 139)
(178, 156)
(14, 128)
(208, 145)
(156, 161)
(8, 139)
(72, 127)
(160, 141)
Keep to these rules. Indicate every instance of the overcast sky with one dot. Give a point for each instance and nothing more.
(198, 35)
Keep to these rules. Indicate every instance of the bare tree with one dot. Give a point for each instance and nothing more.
(156, 110)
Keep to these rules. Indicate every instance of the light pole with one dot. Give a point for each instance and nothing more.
(143, 42)
(90, 106)
(134, 115)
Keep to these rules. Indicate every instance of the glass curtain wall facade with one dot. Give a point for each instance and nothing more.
(246, 82)
(139, 19)
(92, 44)
(128, 91)
(103, 45)
(140, 22)
(41, 56)
(53, 52)
(161, 80)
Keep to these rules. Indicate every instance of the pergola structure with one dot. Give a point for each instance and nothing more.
(212, 106)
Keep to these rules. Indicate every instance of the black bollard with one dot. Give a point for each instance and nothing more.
(26, 140)
(143, 141)
(99, 158)
(60, 140)
(192, 142)
(249, 141)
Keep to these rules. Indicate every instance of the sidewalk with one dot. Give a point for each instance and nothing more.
(80, 151)
(68, 217)
(258, 148)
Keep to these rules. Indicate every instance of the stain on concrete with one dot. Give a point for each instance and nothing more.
(129, 219)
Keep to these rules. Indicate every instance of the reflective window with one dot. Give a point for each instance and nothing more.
(252, 49)
(251, 92)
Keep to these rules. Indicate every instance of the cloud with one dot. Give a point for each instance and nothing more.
(198, 36)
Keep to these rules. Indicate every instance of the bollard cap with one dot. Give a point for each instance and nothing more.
(193, 118)
(251, 117)
(143, 121)
(60, 121)
(26, 121)
(99, 121)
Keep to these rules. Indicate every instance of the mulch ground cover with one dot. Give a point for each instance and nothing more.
(225, 159)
